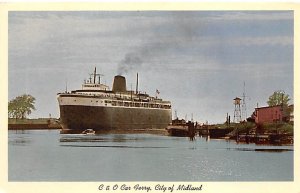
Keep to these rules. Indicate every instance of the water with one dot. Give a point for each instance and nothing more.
(46, 155)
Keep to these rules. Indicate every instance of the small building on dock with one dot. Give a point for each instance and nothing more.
(272, 114)
(268, 114)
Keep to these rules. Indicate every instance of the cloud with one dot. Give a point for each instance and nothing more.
(250, 41)
(205, 53)
(67, 31)
(252, 16)
(260, 41)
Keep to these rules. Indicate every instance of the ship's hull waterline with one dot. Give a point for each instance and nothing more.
(75, 119)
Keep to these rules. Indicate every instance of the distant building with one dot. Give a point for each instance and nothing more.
(272, 114)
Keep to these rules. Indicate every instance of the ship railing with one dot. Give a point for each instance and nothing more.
(118, 97)
(125, 103)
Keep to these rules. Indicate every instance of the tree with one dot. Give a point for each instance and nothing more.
(21, 106)
(279, 98)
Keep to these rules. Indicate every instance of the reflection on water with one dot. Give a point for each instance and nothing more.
(19, 141)
(113, 146)
(20, 138)
(50, 156)
(104, 138)
(260, 150)
(96, 138)
(80, 140)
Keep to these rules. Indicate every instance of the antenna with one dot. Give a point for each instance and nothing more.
(244, 107)
(131, 91)
(137, 83)
(243, 113)
(66, 85)
(95, 75)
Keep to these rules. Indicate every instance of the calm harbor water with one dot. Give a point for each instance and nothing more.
(46, 155)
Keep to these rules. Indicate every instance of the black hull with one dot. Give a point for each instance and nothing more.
(76, 119)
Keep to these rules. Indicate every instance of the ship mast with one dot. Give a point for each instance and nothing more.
(137, 83)
(95, 76)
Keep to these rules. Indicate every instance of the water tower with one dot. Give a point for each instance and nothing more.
(237, 110)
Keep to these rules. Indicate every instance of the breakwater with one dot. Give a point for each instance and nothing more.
(31, 124)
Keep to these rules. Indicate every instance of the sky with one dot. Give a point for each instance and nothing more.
(198, 60)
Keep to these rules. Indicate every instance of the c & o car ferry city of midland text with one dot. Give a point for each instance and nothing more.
(98, 108)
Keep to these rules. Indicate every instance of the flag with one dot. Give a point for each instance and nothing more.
(157, 91)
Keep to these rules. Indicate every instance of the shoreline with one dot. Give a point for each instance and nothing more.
(34, 126)
(161, 132)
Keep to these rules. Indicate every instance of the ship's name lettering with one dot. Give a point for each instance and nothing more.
(144, 188)
(138, 187)
(164, 188)
(125, 187)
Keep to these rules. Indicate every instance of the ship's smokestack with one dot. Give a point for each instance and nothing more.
(119, 84)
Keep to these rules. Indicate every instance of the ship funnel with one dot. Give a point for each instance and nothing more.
(119, 84)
